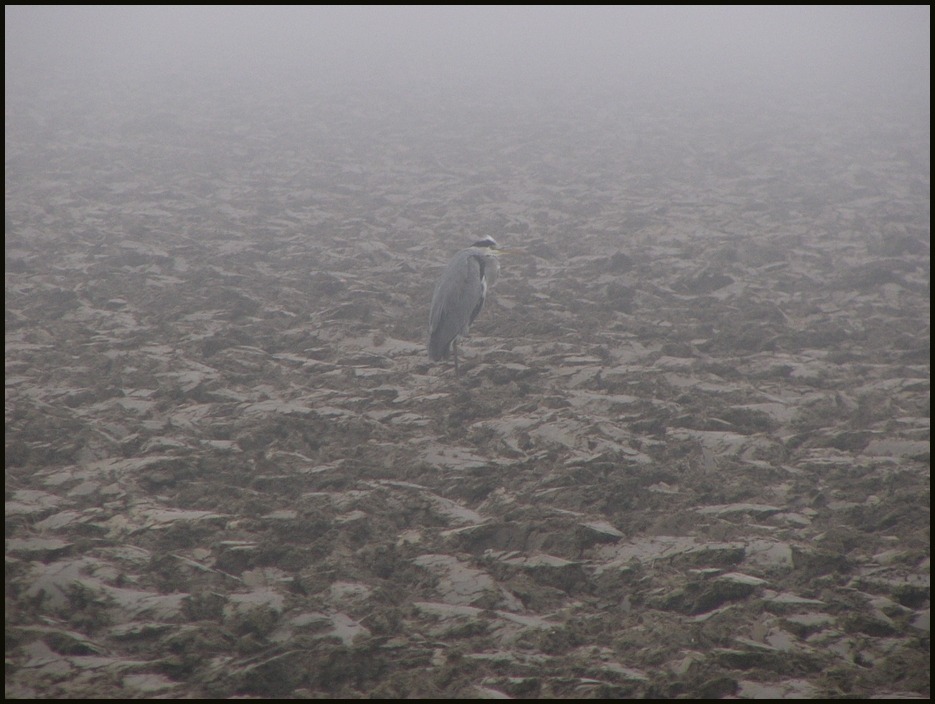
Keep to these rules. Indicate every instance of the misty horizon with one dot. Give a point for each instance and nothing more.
(879, 48)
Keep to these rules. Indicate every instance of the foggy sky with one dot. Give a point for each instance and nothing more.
(876, 48)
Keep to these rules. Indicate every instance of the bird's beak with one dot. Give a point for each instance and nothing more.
(511, 250)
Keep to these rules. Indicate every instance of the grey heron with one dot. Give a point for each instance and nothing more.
(459, 296)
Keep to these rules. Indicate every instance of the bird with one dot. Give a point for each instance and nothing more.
(459, 296)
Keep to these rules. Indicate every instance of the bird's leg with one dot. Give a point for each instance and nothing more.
(454, 346)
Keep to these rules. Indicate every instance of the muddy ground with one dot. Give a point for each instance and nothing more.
(688, 455)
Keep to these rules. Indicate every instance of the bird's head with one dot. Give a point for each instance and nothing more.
(489, 245)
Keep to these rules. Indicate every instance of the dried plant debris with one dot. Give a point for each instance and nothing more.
(688, 454)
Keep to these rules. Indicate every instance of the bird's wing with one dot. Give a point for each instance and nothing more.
(458, 297)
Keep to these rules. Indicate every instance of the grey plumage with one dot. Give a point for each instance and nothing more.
(459, 296)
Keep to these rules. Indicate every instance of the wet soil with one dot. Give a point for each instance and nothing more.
(688, 454)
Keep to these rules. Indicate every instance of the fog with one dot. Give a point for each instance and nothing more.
(688, 453)
(486, 77)
(871, 47)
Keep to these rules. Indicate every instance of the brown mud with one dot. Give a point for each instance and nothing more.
(688, 455)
